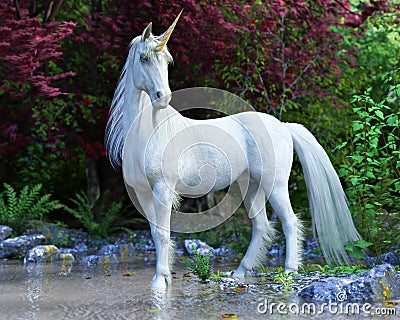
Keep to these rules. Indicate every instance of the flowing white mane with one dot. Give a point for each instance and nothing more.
(123, 110)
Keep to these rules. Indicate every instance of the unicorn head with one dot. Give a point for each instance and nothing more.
(145, 70)
(151, 58)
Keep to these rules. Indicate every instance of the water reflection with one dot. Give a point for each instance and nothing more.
(34, 286)
(160, 304)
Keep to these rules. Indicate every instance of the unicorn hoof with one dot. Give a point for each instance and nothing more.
(161, 282)
(290, 270)
(239, 273)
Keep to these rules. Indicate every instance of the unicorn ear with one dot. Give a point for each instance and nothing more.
(146, 33)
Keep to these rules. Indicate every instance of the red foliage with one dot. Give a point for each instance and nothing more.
(26, 45)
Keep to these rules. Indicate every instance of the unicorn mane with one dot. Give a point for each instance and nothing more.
(119, 121)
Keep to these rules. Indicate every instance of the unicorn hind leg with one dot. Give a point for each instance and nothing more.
(292, 227)
(262, 231)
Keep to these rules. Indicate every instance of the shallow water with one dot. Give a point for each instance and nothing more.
(60, 290)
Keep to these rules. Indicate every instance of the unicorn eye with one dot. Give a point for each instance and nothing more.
(143, 58)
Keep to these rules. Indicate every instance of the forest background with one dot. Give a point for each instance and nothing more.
(331, 65)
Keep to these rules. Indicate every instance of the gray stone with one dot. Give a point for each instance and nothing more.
(117, 250)
(91, 260)
(392, 258)
(5, 232)
(41, 254)
(108, 250)
(379, 283)
(64, 257)
(202, 247)
(94, 260)
(18, 246)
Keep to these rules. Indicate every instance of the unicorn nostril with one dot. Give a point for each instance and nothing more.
(159, 94)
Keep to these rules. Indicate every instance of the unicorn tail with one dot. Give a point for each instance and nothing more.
(328, 204)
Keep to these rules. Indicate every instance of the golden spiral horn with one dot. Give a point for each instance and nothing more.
(167, 34)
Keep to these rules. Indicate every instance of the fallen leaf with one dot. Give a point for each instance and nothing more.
(153, 310)
(229, 316)
(242, 288)
(206, 292)
(129, 274)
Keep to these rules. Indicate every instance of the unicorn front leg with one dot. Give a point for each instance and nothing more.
(157, 206)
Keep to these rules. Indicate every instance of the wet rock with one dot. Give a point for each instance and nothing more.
(59, 236)
(117, 249)
(379, 283)
(19, 245)
(64, 257)
(222, 251)
(392, 258)
(108, 250)
(80, 250)
(276, 249)
(202, 247)
(5, 232)
(311, 249)
(94, 260)
(40, 254)
(91, 260)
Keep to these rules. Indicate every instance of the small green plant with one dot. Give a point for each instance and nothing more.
(373, 167)
(263, 269)
(217, 276)
(326, 269)
(314, 267)
(285, 279)
(98, 220)
(201, 265)
(17, 210)
(347, 270)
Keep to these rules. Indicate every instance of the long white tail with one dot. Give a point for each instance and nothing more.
(328, 204)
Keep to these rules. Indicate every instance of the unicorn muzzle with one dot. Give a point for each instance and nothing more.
(162, 100)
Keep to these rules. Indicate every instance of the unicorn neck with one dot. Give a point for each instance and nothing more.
(136, 101)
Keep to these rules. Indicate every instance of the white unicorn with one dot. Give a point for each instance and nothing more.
(164, 155)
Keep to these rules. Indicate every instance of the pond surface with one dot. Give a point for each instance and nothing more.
(62, 290)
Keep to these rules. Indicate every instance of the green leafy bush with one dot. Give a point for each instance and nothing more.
(17, 210)
(373, 166)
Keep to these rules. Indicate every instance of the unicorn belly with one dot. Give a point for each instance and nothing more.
(206, 167)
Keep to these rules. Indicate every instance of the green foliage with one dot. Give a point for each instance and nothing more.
(336, 270)
(373, 166)
(40, 162)
(356, 249)
(217, 276)
(201, 265)
(285, 279)
(17, 210)
(98, 220)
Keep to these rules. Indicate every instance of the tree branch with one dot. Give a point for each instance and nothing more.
(17, 8)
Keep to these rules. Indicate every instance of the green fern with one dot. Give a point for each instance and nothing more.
(17, 211)
(98, 221)
(200, 265)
